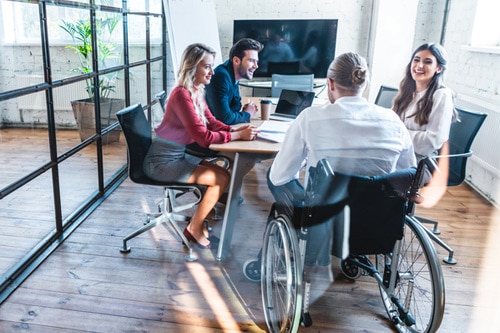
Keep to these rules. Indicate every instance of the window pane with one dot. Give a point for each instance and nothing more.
(156, 36)
(15, 12)
(77, 177)
(26, 217)
(137, 33)
(152, 6)
(110, 3)
(22, 150)
(486, 31)
(109, 39)
(114, 155)
(75, 56)
(156, 77)
(15, 73)
(138, 91)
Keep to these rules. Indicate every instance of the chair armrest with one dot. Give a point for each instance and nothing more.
(467, 154)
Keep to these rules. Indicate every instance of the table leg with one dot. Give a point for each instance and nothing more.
(242, 164)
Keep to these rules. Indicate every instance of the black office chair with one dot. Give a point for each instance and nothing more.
(162, 99)
(386, 96)
(137, 132)
(462, 134)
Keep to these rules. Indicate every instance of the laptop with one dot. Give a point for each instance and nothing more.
(291, 103)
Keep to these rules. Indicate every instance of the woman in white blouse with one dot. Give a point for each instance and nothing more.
(423, 103)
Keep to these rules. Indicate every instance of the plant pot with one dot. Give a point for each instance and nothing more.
(84, 113)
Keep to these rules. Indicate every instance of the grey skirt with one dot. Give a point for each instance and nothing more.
(167, 161)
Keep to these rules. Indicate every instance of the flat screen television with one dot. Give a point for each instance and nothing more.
(293, 46)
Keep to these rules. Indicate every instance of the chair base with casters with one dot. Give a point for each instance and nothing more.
(168, 213)
(432, 233)
(376, 215)
(138, 135)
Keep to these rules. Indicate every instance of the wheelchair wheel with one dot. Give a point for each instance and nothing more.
(417, 301)
(350, 270)
(281, 276)
(251, 270)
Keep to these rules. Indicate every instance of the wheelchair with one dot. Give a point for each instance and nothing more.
(384, 241)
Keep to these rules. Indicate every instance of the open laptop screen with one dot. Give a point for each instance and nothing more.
(292, 102)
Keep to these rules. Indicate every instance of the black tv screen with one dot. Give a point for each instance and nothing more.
(295, 46)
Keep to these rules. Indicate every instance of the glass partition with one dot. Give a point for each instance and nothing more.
(59, 156)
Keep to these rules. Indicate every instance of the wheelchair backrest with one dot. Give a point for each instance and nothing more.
(378, 205)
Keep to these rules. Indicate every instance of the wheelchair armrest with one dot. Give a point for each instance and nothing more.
(467, 154)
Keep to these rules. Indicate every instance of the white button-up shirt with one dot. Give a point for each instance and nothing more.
(355, 136)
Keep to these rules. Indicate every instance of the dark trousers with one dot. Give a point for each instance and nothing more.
(290, 197)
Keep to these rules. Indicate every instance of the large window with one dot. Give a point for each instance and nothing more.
(66, 68)
(486, 31)
(21, 26)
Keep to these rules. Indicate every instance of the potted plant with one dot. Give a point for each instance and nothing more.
(83, 110)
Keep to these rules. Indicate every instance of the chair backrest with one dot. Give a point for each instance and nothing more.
(137, 132)
(462, 134)
(162, 98)
(288, 67)
(378, 206)
(386, 96)
(302, 82)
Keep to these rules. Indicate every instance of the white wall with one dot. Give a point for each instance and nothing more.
(391, 43)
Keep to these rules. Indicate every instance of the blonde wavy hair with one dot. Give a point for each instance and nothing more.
(191, 57)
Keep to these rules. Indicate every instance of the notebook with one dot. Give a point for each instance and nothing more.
(273, 131)
(291, 103)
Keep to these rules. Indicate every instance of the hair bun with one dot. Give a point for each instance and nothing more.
(358, 76)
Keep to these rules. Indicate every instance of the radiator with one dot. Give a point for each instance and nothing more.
(62, 95)
(483, 168)
(32, 108)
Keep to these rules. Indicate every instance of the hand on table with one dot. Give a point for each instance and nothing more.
(245, 132)
(251, 108)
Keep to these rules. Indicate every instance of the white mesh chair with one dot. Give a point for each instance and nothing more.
(301, 82)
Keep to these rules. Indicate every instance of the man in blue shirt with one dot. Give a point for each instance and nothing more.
(223, 93)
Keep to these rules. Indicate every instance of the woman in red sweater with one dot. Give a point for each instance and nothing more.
(187, 119)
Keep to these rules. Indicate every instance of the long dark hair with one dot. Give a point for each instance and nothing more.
(408, 86)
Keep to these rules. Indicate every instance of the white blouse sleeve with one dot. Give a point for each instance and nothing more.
(430, 137)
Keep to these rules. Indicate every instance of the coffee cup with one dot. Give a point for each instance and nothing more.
(265, 109)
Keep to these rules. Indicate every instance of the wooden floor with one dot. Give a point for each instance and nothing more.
(87, 285)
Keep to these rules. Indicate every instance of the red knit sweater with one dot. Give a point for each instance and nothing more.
(181, 124)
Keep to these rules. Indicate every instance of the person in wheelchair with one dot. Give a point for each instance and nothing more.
(353, 135)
